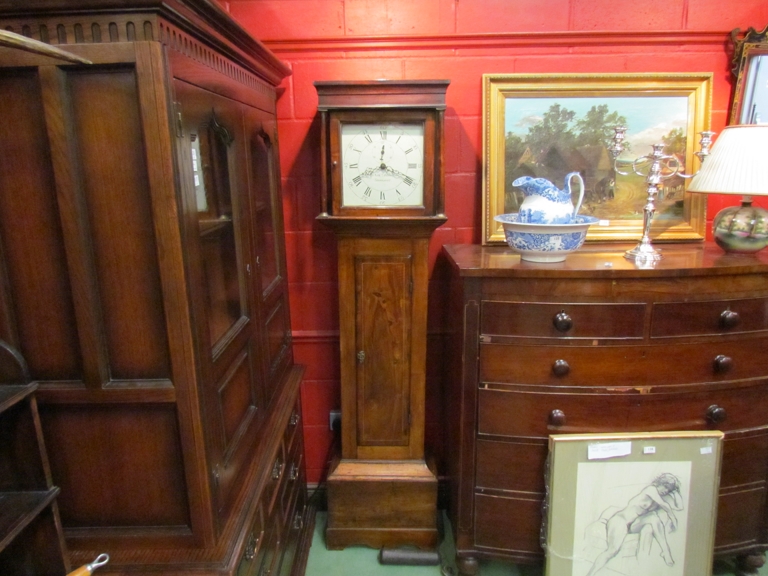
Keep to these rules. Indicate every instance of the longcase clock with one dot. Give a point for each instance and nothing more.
(383, 195)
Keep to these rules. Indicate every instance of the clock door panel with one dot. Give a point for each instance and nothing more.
(383, 308)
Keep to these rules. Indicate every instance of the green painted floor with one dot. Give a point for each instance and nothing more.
(362, 561)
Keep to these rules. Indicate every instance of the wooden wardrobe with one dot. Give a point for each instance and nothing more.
(143, 279)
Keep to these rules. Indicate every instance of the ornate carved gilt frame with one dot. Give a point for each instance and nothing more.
(748, 51)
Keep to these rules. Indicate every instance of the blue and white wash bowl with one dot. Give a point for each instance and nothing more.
(544, 242)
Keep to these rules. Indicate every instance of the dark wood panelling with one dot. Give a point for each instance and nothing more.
(102, 469)
(36, 289)
(105, 110)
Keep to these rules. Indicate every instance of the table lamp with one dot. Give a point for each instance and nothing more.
(738, 164)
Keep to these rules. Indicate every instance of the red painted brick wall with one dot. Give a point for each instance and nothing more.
(457, 40)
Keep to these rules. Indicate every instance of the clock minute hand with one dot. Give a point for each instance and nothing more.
(396, 173)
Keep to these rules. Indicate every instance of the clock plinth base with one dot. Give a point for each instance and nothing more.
(382, 503)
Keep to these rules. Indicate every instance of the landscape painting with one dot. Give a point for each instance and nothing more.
(548, 127)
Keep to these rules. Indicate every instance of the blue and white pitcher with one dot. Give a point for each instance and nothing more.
(544, 203)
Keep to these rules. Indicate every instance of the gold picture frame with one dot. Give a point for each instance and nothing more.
(750, 68)
(635, 503)
(513, 103)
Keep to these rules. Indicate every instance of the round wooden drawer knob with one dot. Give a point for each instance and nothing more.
(557, 418)
(729, 319)
(723, 363)
(562, 321)
(716, 414)
(560, 368)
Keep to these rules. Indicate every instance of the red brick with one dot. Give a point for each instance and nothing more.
(486, 16)
(608, 15)
(314, 306)
(290, 19)
(719, 15)
(318, 398)
(398, 17)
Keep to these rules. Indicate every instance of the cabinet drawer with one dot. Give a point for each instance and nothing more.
(710, 317)
(516, 466)
(538, 320)
(253, 550)
(271, 488)
(629, 366)
(538, 413)
(294, 424)
(511, 524)
(292, 480)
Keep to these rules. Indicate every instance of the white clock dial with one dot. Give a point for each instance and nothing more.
(382, 164)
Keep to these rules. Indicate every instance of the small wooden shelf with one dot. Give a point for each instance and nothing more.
(31, 537)
(11, 394)
(18, 509)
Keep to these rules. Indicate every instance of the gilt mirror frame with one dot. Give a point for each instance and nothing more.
(652, 103)
(750, 68)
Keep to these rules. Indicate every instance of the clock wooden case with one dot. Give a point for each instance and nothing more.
(383, 194)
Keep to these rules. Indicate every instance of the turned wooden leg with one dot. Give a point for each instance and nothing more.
(749, 564)
(467, 565)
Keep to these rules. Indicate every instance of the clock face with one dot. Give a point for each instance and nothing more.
(382, 164)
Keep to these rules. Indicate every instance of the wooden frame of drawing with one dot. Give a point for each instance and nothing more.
(547, 125)
(639, 503)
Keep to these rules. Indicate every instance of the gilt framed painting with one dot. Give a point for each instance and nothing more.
(548, 126)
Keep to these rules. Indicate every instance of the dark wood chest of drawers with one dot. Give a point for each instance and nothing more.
(594, 344)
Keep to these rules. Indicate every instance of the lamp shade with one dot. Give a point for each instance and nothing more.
(738, 163)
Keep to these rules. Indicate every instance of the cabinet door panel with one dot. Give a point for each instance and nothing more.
(264, 187)
(383, 343)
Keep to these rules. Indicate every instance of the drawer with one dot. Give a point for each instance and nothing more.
(277, 473)
(253, 551)
(510, 524)
(514, 466)
(710, 317)
(518, 465)
(538, 320)
(745, 460)
(293, 479)
(538, 412)
(629, 366)
(294, 424)
(738, 526)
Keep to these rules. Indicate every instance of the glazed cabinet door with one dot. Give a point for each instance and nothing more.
(223, 270)
(268, 231)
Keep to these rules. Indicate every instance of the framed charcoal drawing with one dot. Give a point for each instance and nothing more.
(548, 125)
(641, 504)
